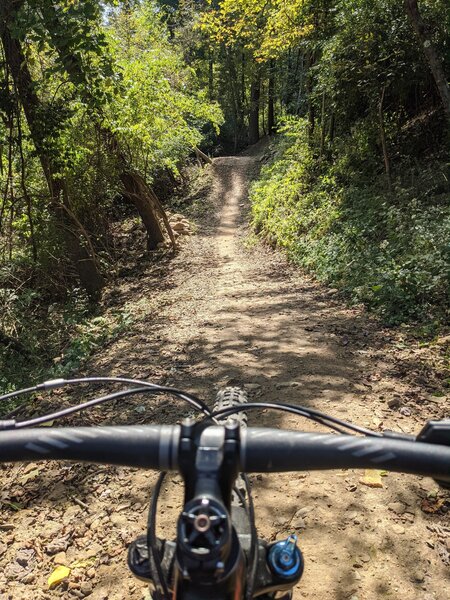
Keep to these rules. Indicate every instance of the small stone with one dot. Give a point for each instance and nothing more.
(398, 529)
(365, 558)
(86, 588)
(405, 411)
(24, 556)
(394, 403)
(28, 578)
(298, 523)
(140, 409)
(179, 226)
(60, 558)
(94, 550)
(409, 517)
(282, 385)
(252, 387)
(73, 585)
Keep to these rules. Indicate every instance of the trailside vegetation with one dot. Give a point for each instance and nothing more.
(357, 189)
(95, 106)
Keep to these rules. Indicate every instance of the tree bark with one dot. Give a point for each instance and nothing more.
(211, 76)
(84, 262)
(311, 59)
(434, 60)
(387, 162)
(322, 125)
(253, 121)
(271, 99)
(201, 155)
(237, 98)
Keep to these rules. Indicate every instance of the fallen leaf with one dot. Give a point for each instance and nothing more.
(84, 564)
(59, 574)
(432, 505)
(372, 478)
(28, 476)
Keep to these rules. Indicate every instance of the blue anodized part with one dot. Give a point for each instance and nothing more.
(285, 558)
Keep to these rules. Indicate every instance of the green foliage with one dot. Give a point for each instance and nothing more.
(93, 73)
(160, 111)
(390, 252)
(73, 29)
(91, 335)
(91, 76)
(55, 341)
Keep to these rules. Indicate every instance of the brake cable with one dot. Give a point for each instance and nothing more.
(146, 388)
(309, 413)
(150, 388)
(152, 543)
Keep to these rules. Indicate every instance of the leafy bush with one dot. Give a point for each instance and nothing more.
(389, 251)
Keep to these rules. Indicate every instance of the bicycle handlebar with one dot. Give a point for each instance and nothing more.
(262, 450)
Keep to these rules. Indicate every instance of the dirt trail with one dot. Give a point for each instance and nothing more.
(228, 310)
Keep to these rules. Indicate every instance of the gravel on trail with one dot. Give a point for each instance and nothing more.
(228, 310)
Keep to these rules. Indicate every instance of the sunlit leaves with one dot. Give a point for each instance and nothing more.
(266, 28)
(160, 110)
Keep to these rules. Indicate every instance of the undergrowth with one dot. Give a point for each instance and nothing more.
(50, 340)
(336, 218)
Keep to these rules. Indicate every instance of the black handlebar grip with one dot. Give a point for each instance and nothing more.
(275, 450)
(132, 446)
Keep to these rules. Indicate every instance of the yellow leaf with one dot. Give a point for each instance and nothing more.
(58, 575)
(84, 564)
(372, 478)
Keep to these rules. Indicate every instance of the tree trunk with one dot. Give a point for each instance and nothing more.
(140, 194)
(253, 121)
(434, 60)
(243, 78)
(84, 262)
(236, 97)
(211, 76)
(331, 135)
(271, 99)
(311, 59)
(322, 126)
(387, 162)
